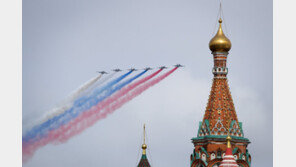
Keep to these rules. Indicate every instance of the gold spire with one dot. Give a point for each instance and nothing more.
(220, 43)
(144, 146)
(228, 139)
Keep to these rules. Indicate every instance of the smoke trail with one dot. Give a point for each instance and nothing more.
(40, 130)
(82, 92)
(95, 101)
(67, 103)
(73, 113)
(97, 84)
(85, 86)
(87, 119)
(83, 117)
(29, 147)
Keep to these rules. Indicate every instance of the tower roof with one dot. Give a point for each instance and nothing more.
(220, 116)
(220, 43)
(228, 159)
(144, 161)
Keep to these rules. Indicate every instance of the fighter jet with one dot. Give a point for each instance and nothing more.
(163, 67)
(102, 72)
(132, 69)
(148, 68)
(116, 70)
(178, 65)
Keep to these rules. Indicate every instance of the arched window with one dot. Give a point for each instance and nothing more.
(213, 156)
(219, 154)
(204, 157)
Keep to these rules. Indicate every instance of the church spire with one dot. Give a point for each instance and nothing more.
(144, 161)
(228, 159)
(144, 146)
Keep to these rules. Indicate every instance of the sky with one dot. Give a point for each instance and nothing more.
(66, 41)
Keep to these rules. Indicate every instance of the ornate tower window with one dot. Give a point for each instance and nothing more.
(204, 157)
(213, 156)
(219, 154)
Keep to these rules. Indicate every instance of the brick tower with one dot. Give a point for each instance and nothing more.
(220, 119)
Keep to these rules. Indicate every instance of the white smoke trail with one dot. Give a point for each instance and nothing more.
(97, 84)
(66, 104)
(82, 88)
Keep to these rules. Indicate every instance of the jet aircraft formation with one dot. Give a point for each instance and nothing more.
(134, 69)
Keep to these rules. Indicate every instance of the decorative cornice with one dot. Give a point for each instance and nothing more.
(218, 138)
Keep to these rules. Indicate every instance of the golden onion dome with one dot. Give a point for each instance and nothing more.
(220, 43)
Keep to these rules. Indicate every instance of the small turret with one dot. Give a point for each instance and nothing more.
(144, 161)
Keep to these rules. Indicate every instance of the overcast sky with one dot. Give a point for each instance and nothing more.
(66, 41)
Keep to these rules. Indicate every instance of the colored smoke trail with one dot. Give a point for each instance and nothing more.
(97, 84)
(100, 90)
(74, 127)
(83, 92)
(82, 103)
(68, 102)
(67, 118)
(87, 119)
(96, 100)
(81, 89)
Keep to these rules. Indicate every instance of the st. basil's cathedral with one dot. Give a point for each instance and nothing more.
(220, 140)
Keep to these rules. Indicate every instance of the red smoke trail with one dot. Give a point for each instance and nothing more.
(80, 123)
(91, 117)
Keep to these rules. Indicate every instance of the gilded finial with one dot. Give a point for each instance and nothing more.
(144, 146)
(228, 139)
(220, 43)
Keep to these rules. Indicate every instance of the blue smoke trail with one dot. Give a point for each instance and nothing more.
(67, 105)
(97, 84)
(94, 100)
(85, 104)
(40, 129)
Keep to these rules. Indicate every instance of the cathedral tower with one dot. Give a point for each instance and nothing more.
(144, 161)
(220, 119)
